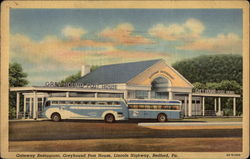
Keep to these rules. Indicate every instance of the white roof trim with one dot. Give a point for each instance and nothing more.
(66, 89)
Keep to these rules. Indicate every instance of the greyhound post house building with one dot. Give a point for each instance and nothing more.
(152, 79)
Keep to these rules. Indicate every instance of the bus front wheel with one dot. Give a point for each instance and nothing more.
(55, 117)
(109, 118)
(162, 118)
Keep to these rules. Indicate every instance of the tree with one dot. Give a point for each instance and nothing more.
(74, 77)
(211, 68)
(71, 78)
(226, 102)
(17, 78)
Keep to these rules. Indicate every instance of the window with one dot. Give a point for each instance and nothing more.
(101, 103)
(77, 102)
(69, 102)
(54, 102)
(47, 104)
(116, 103)
(141, 106)
(141, 94)
(147, 107)
(61, 102)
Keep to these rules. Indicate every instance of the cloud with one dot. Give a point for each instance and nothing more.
(73, 32)
(229, 43)
(68, 53)
(191, 29)
(124, 34)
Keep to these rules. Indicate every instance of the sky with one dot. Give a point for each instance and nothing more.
(52, 44)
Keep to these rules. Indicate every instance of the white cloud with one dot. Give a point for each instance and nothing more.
(73, 32)
(189, 30)
(229, 43)
(123, 34)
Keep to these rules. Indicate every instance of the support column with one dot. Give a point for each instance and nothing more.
(185, 106)
(215, 105)
(125, 95)
(17, 103)
(219, 104)
(190, 104)
(234, 106)
(203, 106)
(34, 105)
(149, 94)
(95, 95)
(30, 105)
(170, 95)
(24, 108)
(67, 94)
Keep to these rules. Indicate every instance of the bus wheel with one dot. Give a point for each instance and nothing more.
(109, 118)
(56, 117)
(162, 117)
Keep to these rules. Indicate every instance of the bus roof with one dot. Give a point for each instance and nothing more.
(84, 99)
(153, 101)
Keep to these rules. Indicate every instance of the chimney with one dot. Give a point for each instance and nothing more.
(85, 70)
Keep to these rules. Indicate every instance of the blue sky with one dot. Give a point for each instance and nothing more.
(53, 43)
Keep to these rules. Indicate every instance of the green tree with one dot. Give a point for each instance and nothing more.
(226, 102)
(74, 77)
(71, 78)
(17, 78)
(211, 68)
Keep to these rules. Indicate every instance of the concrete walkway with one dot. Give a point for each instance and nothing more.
(191, 124)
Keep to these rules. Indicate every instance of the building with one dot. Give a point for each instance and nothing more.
(134, 80)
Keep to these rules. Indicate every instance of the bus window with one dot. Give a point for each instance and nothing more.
(101, 103)
(159, 107)
(61, 102)
(141, 106)
(54, 102)
(68, 102)
(135, 106)
(47, 104)
(83, 102)
(92, 103)
(164, 107)
(77, 102)
(147, 106)
(109, 103)
(116, 103)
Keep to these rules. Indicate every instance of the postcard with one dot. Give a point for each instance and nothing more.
(124, 79)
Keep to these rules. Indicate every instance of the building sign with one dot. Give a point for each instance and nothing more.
(213, 91)
(81, 85)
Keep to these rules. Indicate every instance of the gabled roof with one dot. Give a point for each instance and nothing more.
(116, 73)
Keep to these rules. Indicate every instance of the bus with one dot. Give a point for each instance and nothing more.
(110, 109)
(159, 109)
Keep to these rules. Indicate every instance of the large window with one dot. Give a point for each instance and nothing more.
(166, 107)
(141, 94)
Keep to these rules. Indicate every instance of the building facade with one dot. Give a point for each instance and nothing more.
(152, 79)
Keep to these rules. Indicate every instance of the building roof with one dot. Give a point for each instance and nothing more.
(116, 73)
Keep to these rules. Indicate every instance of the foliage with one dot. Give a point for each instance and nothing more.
(17, 78)
(74, 77)
(211, 68)
(71, 78)
(226, 102)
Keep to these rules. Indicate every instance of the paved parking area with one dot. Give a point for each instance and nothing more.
(33, 135)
